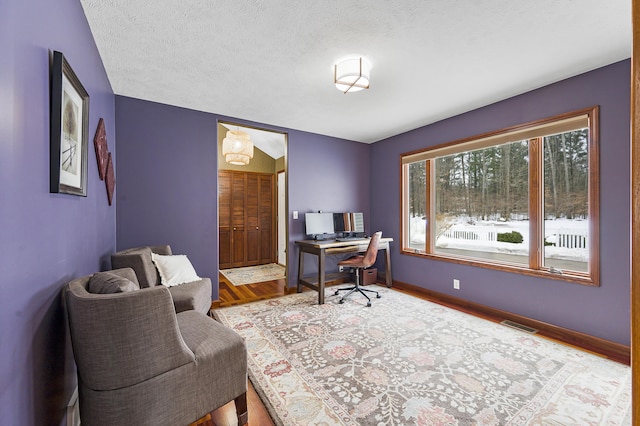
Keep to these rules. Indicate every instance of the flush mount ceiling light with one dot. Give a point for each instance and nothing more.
(352, 75)
(237, 148)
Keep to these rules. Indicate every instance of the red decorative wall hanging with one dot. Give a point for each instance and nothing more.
(110, 179)
(100, 144)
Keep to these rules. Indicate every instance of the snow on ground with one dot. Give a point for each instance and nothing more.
(552, 229)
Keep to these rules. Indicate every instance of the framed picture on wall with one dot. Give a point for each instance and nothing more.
(69, 128)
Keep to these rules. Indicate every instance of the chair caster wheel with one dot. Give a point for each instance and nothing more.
(341, 301)
(368, 304)
(378, 296)
(335, 294)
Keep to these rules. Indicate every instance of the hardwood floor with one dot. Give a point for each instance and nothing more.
(235, 295)
(231, 295)
(226, 415)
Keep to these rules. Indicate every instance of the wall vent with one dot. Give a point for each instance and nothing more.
(520, 327)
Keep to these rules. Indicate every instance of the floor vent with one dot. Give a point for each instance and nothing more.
(520, 327)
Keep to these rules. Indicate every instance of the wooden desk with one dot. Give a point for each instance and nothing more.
(329, 247)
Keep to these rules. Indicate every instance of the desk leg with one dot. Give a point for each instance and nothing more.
(321, 277)
(387, 266)
(300, 268)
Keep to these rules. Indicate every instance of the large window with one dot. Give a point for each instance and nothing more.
(522, 199)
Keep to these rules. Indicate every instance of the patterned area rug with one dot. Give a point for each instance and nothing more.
(254, 274)
(406, 361)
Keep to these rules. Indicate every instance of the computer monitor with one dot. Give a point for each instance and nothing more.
(348, 223)
(341, 222)
(317, 224)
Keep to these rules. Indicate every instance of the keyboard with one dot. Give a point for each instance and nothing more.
(346, 239)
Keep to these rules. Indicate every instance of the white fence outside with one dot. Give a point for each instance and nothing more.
(568, 240)
(490, 233)
(474, 233)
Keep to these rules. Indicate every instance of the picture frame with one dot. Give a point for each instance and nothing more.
(69, 126)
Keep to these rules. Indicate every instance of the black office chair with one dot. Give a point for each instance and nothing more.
(362, 262)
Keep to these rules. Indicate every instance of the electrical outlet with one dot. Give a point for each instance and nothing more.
(456, 284)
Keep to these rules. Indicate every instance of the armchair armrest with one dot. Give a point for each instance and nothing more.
(124, 338)
(195, 296)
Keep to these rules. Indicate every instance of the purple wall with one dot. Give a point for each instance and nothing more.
(603, 311)
(167, 179)
(47, 239)
(325, 174)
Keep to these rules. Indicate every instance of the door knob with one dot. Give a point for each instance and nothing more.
(256, 227)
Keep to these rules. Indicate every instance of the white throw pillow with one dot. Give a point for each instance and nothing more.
(174, 269)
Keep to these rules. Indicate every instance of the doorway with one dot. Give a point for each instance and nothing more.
(252, 200)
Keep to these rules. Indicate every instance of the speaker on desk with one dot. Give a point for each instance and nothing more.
(357, 222)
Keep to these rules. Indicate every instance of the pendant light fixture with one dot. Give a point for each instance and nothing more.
(352, 75)
(237, 148)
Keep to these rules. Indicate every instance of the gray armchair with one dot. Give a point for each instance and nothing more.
(190, 296)
(141, 363)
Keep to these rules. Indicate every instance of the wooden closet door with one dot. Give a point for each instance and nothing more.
(224, 219)
(238, 236)
(266, 219)
(246, 219)
(252, 218)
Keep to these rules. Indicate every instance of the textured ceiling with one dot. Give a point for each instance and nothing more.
(272, 61)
